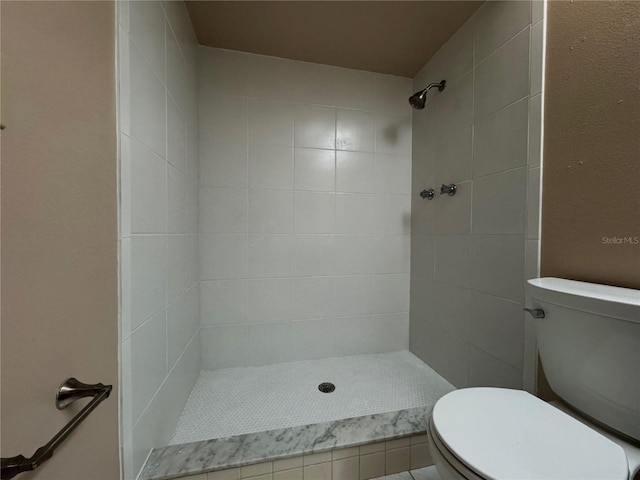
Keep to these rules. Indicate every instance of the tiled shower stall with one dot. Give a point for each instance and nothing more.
(270, 210)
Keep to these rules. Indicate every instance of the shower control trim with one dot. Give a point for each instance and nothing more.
(428, 194)
(448, 189)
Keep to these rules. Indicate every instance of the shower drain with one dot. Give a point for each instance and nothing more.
(326, 387)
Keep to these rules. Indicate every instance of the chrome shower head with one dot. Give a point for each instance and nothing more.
(418, 99)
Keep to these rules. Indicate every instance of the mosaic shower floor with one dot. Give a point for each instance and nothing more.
(237, 401)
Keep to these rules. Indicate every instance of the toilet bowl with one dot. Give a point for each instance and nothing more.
(503, 434)
(588, 339)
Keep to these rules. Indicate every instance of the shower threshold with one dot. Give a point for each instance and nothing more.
(240, 416)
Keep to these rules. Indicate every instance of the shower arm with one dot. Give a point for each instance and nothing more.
(440, 86)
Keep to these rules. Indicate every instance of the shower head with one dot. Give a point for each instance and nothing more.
(418, 99)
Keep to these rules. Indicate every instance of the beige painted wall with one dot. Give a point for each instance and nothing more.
(591, 184)
(59, 230)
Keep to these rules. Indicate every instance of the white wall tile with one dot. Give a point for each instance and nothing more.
(392, 253)
(355, 172)
(315, 83)
(480, 133)
(223, 210)
(447, 354)
(354, 335)
(147, 190)
(503, 77)
(148, 357)
(292, 275)
(497, 326)
(488, 371)
(391, 94)
(271, 77)
(530, 357)
(535, 130)
(453, 214)
(314, 255)
(315, 126)
(355, 89)
(532, 260)
(497, 265)
(157, 111)
(271, 343)
(176, 201)
(312, 339)
(533, 203)
(393, 331)
(177, 265)
(537, 11)
(498, 22)
(356, 254)
(393, 134)
(454, 152)
(177, 76)
(224, 256)
(314, 212)
(271, 256)
(393, 214)
(176, 136)
(499, 203)
(315, 169)
(312, 297)
(452, 309)
(454, 59)
(390, 293)
(353, 295)
(148, 277)
(270, 300)
(148, 103)
(271, 167)
(226, 71)
(224, 301)
(392, 174)
(455, 104)
(224, 118)
(178, 334)
(270, 211)
(537, 60)
(355, 130)
(224, 346)
(270, 122)
(452, 260)
(500, 140)
(222, 164)
(146, 29)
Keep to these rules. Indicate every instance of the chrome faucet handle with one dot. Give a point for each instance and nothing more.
(428, 194)
(448, 189)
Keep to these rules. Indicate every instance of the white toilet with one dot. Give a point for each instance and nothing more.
(589, 344)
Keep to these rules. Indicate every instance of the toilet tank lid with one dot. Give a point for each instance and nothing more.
(606, 300)
(510, 434)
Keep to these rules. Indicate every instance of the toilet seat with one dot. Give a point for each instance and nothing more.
(498, 434)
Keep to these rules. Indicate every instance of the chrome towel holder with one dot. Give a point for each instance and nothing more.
(70, 391)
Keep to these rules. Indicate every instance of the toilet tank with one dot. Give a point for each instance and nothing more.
(589, 346)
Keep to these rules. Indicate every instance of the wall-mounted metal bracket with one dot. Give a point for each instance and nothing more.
(70, 391)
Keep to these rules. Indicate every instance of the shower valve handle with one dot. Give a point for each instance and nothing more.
(428, 194)
(448, 189)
